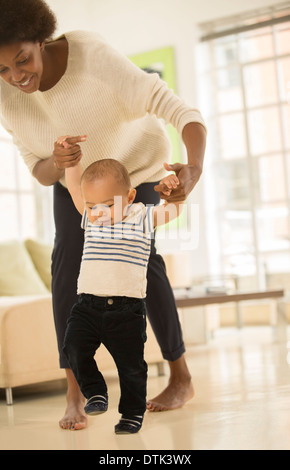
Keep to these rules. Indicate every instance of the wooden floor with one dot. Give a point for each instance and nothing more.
(242, 382)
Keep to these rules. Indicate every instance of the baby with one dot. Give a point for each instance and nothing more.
(112, 285)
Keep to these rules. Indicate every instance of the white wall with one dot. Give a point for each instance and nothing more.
(134, 26)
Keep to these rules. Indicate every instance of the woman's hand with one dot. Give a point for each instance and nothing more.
(188, 176)
(67, 152)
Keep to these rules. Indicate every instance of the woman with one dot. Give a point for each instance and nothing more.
(74, 85)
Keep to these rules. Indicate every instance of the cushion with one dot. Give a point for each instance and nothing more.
(40, 254)
(18, 275)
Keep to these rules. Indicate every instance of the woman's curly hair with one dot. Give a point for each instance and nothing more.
(25, 20)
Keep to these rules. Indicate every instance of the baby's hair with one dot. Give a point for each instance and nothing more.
(105, 167)
(25, 21)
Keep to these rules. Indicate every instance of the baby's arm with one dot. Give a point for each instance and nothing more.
(169, 210)
(73, 176)
(73, 181)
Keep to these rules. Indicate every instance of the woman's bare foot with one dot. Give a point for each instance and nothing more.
(175, 395)
(179, 390)
(75, 417)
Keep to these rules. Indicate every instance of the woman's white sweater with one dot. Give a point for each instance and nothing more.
(103, 95)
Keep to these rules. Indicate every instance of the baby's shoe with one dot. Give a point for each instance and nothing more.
(97, 404)
(129, 425)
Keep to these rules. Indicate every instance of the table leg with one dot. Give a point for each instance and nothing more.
(9, 396)
(239, 315)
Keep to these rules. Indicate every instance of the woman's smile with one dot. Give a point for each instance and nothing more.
(25, 84)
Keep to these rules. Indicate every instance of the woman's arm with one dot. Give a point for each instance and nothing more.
(156, 99)
(46, 172)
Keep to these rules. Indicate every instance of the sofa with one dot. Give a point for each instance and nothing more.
(28, 347)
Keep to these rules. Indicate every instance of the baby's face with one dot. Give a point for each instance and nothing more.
(106, 200)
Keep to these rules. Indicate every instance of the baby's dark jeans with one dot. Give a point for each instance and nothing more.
(120, 324)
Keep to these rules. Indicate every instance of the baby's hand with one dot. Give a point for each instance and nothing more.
(168, 183)
(63, 142)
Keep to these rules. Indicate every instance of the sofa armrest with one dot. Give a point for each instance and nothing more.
(29, 351)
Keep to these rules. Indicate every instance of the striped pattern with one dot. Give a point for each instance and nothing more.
(115, 258)
(128, 241)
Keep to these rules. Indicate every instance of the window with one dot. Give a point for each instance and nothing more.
(245, 97)
(25, 205)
